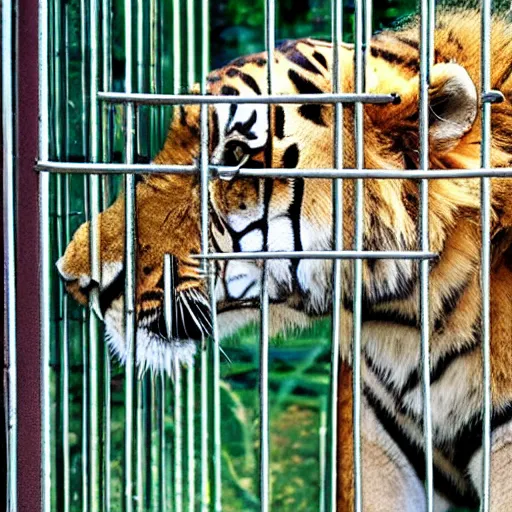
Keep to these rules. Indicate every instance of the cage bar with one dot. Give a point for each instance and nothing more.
(44, 191)
(227, 171)
(130, 266)
(200, 99)
(337, 201)
(106, 147)
(95, 356)
(264, 427)
(427, 23)
(485, 209)
(9, 230)
(361, 43)
(204, 177)
(191, 464)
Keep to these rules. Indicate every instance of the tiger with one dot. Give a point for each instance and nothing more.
(284, 214)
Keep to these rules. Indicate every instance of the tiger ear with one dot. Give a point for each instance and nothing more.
(453, 105)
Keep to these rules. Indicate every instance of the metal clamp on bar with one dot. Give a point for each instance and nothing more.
(493, 96)
(227, 173)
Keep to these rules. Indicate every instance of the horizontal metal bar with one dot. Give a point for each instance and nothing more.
(225, 171)
(206, 99)
(319, 255)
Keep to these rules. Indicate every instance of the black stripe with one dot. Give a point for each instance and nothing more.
(215, 129)
(301, 60)
(321, 59)
(294, 213)
(267, 196)
(216, 221)
(151, 295)
(413, 43)
(291, 157)
(416, 456)
(312, 113)
(445, 361)
(393, 58)
(303, 85)
(183, 115)
(112, 292)
(279, 121)
(449, 302)
(227, 90)
(249, 80)
(470, 438)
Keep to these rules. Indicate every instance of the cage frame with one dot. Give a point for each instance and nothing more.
(28, 330)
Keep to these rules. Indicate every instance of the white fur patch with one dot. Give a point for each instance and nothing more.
(152, 352)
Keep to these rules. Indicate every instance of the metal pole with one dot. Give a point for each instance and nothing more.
(361, 45)
(45, 255)
(427, 23)
(485, 208)
(130, 266)
(203, 165)
(337, 199)
(9, 229)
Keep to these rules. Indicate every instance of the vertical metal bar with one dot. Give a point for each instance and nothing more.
(140, 442)
(361, 40)
(161, 442)
(485, 208)
(44, 190)
(85, 316)
(62, 211)
(322, 448)
(153, 73)
(337, 199)
(95, 423)
(178, 440)
(264, 299)
(191, 464)
(426, 59)
(203, 165)
(9, 227)
(175, 369)
(130, 265)
(83, 74)
(191, 45)
(144, 385)
(176, 45)
(106, 128)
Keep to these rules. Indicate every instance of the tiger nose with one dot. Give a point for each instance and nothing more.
(83, 280)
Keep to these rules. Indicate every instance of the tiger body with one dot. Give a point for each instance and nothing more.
(296, 214)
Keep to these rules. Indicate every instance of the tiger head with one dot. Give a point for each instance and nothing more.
(167, 222)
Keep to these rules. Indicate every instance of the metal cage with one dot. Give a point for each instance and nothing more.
(161, 471)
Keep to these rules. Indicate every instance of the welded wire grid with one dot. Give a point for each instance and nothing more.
(113, 127)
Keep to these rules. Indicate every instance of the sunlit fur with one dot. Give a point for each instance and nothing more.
(390, 333)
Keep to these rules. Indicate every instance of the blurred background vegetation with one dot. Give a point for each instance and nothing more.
(299, 362)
